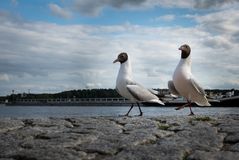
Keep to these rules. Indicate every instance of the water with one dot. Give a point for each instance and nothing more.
(69, 111)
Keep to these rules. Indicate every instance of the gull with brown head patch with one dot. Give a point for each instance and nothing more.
(184, 84)
(128, 88)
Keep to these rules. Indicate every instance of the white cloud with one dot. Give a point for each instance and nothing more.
(65, 57)
(220, 22)
(60, 12)
(222, 29)
(93, 85)
(217, 42)
(4, 77)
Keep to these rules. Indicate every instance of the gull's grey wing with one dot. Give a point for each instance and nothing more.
(142, 94)
(200, 97)
(154, 92)
(196, 86)
(172, 88)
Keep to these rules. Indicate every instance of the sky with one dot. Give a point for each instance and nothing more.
(49, 46)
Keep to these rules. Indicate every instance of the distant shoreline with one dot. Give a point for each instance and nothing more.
(225, 102)
(145, 104)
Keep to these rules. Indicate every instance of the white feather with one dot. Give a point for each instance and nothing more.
(186, 85)
(131, 90)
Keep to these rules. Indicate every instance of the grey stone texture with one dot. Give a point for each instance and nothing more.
(121, 138)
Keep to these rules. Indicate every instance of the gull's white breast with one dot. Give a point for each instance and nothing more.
(181, 76)
(121, 86)
(185, 84)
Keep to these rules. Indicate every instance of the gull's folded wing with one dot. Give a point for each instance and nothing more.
(142, 94)
(196, 86)
(172, 88)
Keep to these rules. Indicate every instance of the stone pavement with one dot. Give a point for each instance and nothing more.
(121, 138)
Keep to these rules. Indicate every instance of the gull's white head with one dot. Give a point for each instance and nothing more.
(185, 51)
(122, 57)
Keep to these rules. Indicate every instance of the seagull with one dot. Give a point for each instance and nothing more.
(184, 84)
(128, 88)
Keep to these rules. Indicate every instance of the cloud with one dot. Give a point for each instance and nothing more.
(220, 22)
(93, 85)
(170, 3)
(4, 77)
(235, 36)
(94, 8)
(6, 16)
(167, 17)
(217, 42)
(205, 4)
(64, 57)
(60, 12)
(221, 27)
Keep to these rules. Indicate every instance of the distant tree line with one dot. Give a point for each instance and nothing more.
(87, 93)
(84, 93)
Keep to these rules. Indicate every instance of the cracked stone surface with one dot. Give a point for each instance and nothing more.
(121, 138)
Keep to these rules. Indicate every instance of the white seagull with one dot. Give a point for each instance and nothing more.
(184, 84)
(128, 88)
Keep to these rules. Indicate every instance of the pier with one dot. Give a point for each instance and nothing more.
(223, 102)
(72, 102)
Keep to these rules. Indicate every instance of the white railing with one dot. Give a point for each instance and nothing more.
(72, 100)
